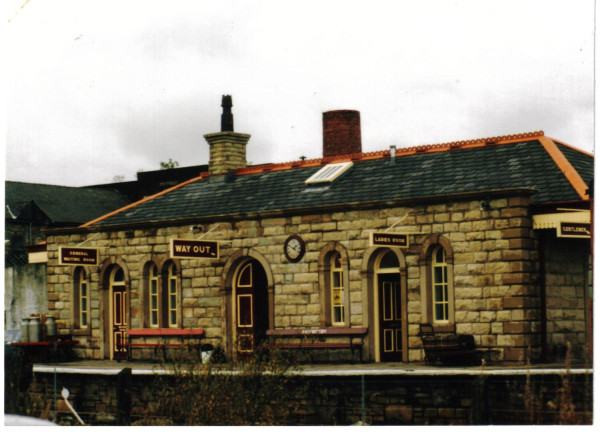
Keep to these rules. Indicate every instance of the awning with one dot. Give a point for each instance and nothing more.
(572, 224)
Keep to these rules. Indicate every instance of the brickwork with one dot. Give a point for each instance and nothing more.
(341, 133)
(495, 297)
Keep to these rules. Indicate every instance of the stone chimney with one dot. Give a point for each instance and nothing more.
(227, 148)
(341, 133)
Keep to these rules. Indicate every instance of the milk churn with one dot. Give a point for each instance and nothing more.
(35, 330)
(25, 330)
(50, 326)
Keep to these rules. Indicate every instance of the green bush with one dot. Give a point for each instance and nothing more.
(254, 390)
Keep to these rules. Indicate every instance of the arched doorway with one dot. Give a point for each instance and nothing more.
(118, 313)
(250, 305)
(385, 304)
(390, 306)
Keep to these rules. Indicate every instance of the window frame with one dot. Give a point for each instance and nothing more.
(325, 270)
(426, 264)
(80, 274)
(339, 271)
(443, 285)
(153, 277)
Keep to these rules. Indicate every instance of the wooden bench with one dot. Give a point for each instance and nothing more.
(315, 339)
(449, 348)
(186, 339)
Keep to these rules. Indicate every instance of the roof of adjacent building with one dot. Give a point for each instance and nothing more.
(60, 204)
(560, 173)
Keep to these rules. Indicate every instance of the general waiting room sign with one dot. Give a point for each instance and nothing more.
(77, 256)
(194, 249)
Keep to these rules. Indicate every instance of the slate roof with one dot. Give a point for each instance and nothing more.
(62, 204)
(438, 173)
(581, 162)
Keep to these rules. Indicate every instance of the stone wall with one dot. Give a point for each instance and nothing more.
(495, 297)
(566, 274)
(376, 400)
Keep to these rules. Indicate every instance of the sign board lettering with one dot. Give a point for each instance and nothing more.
(77, 256)
(574, 230)
(205, 249)
(389, 239)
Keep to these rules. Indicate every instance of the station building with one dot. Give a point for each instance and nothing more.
(487, 237)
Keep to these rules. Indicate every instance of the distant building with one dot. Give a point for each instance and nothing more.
(487, 237)
(29, 208)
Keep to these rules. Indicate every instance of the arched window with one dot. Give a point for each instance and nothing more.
(81, 299)
(437, 286)
(439, 269)
(338, 291)
(153, 309)
(173, 295)
(334, 286)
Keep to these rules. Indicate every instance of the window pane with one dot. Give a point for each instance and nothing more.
(337, 279)
(154, 319)
(172, 286)
(389, 260)
(439, 312)
(445, 274)
(438, 275)
(439, 293)
(173, 302)
(338, 314)
(83, 290)
(153, 286)
(173, 318)
(337, 261)
(440, 255)
(245, 278)
(83, 304)
(119, 275)
(84, 320)
(154, 302)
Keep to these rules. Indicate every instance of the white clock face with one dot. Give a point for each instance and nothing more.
(294, 248)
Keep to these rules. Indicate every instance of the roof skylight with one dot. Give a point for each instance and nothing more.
(329, 173)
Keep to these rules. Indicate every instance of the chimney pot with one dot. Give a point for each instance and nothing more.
(341, 133)
(227, 116)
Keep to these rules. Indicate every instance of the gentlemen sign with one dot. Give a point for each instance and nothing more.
(389, 239)
(194, 249)
(574, 229)
(77, 256)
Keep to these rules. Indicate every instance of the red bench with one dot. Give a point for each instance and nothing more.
(186, 339)
(315, 338)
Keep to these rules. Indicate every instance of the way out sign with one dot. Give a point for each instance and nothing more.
(389, 239)
(77, 256)
(194, 249)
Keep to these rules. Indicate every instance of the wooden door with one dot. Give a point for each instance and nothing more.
(252, 321)
(390, 317)
(119, 322)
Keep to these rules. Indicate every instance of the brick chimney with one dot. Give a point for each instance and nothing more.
(341, 133)
(227, 148)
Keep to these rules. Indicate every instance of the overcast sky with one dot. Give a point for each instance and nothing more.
(98, 89)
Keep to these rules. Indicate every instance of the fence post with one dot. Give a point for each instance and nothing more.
(478, 394)
(124, 397)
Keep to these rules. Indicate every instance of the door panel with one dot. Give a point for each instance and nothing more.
(119, 321)
(390, 317)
